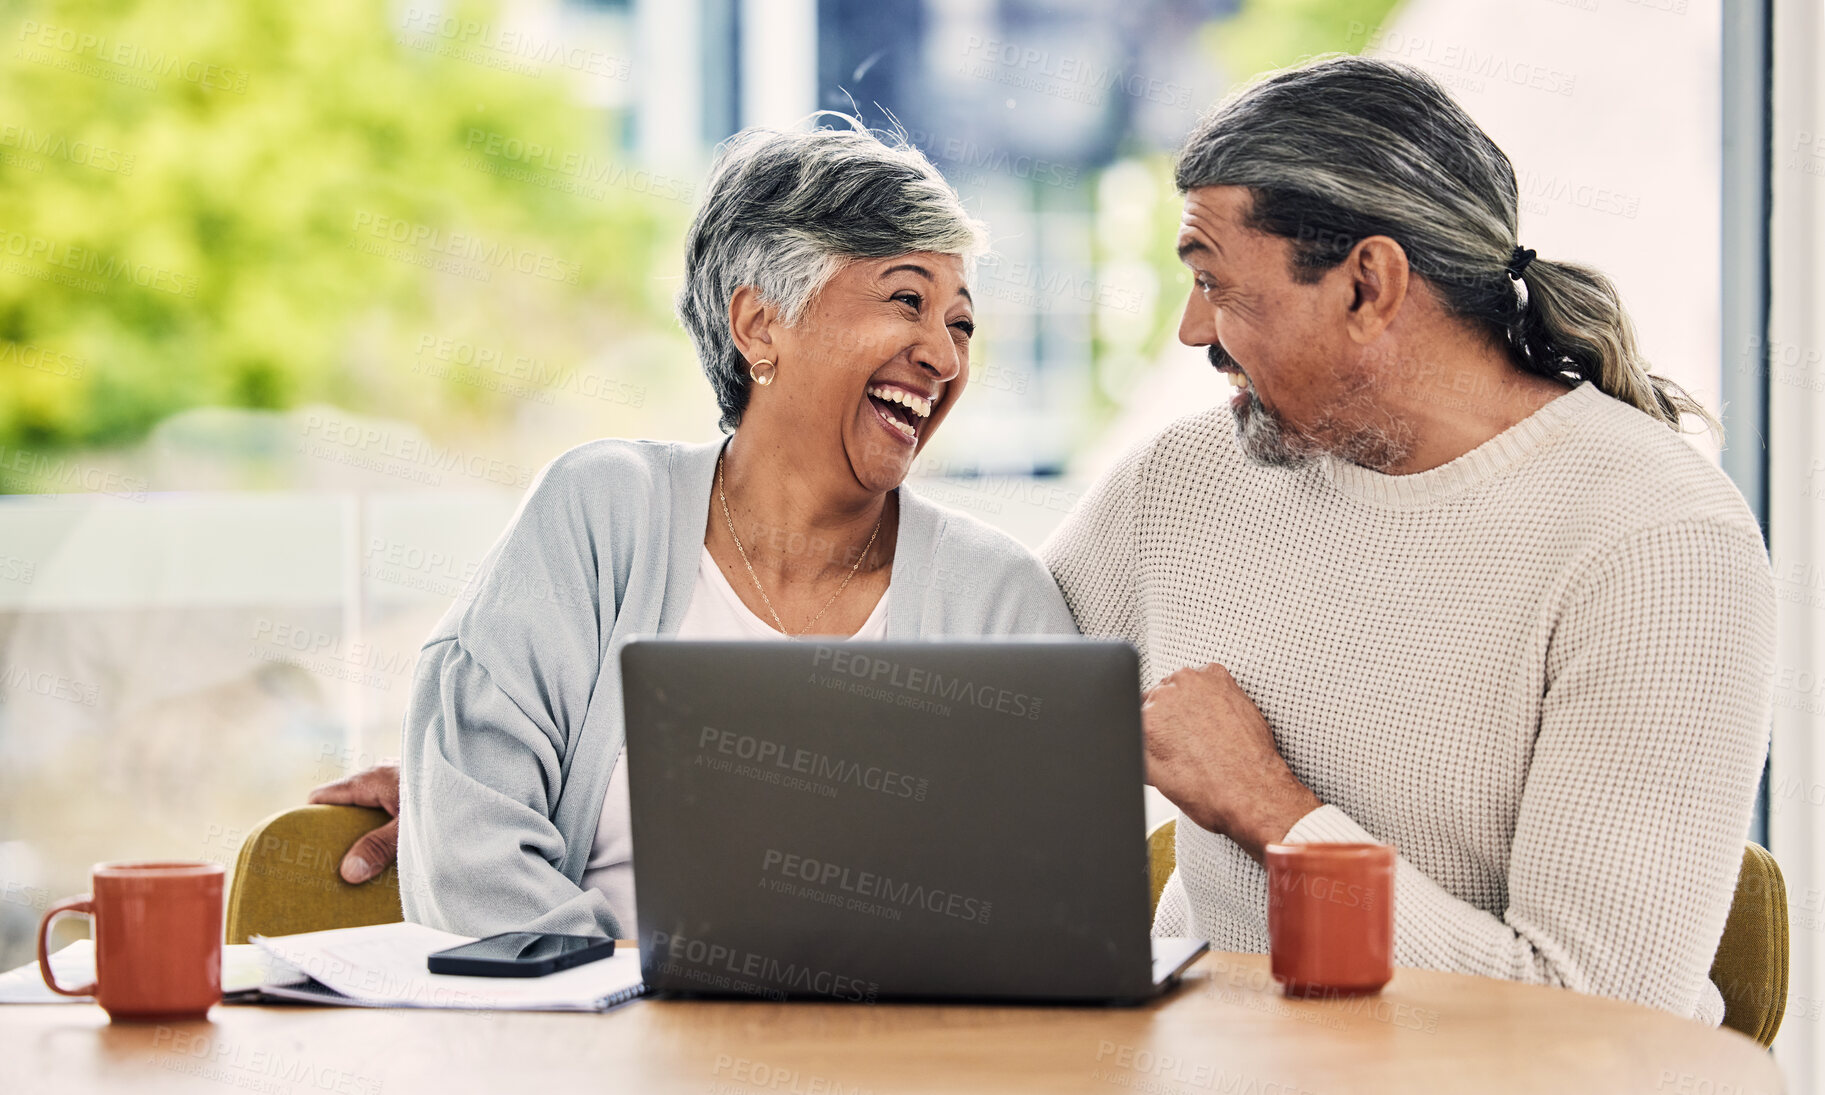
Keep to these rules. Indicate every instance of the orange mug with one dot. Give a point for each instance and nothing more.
(158, 939)
(1330, 917)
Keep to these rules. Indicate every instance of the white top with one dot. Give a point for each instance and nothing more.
(1539, 671)
(715, 612)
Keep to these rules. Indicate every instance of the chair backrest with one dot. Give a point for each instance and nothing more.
(286, 877)
(1162, 856)
(1750, 969)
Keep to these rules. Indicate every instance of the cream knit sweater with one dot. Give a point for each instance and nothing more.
(1540, 671)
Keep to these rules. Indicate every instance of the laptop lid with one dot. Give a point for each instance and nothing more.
(871, 820)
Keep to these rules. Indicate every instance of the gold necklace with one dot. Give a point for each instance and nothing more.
(768, 601)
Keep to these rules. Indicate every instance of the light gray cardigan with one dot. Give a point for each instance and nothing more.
(515, 721)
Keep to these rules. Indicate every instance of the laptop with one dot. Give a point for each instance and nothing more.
(872, 821)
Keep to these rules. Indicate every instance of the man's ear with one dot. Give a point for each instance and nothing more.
(1379, 279)
(751, 322)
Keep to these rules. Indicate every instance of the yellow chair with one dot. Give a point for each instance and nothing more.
(286, 880)
(1162, 856)
(1750, 969)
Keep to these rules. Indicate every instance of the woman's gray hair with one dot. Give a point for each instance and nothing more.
(1343, 148)
(784, 211)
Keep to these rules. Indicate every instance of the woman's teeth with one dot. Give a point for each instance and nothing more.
(919, 405)
(916, 406)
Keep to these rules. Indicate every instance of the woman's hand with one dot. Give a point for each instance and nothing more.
(1211, 752)
(378, 787)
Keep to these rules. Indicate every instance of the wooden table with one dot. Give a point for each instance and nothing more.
(1225, 1030)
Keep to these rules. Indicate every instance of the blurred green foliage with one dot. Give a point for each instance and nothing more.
(1271, 34)
(257, 205)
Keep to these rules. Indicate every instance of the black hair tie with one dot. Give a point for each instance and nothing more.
(1518, 261)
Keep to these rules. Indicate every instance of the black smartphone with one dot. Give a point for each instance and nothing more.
(520, 954)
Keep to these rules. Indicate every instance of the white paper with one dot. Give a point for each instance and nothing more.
(384, 964)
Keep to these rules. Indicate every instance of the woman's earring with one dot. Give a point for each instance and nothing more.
(759, 377)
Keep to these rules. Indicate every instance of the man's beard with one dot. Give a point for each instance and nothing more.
(1345, 430)
(1266, 441)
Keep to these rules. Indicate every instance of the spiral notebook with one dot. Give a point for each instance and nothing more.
(383, 966)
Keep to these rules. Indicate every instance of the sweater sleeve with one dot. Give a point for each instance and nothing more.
(1092, 558)
(1028, 601)
(500, 689)
(1630, 830)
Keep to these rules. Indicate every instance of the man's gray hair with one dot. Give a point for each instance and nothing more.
(1343, 148)
(785, 210)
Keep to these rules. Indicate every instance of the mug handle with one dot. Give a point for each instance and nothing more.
(69, 906)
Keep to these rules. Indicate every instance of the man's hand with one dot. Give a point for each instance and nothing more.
(1210, 751)
(377, 786)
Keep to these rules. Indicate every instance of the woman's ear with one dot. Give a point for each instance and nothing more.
(751, 322)
(1379, 276)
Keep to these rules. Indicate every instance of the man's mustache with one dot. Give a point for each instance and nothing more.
(1219, 357)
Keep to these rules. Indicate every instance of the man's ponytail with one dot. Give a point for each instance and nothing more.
(1573, 323)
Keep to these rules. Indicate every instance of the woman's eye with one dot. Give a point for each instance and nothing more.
(912, 300)
(968, 327)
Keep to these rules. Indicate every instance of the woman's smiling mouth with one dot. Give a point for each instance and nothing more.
(901, 410)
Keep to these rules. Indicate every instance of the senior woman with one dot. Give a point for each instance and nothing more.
(826, 291)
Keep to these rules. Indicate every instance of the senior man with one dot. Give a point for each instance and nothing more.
(1443, 574)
